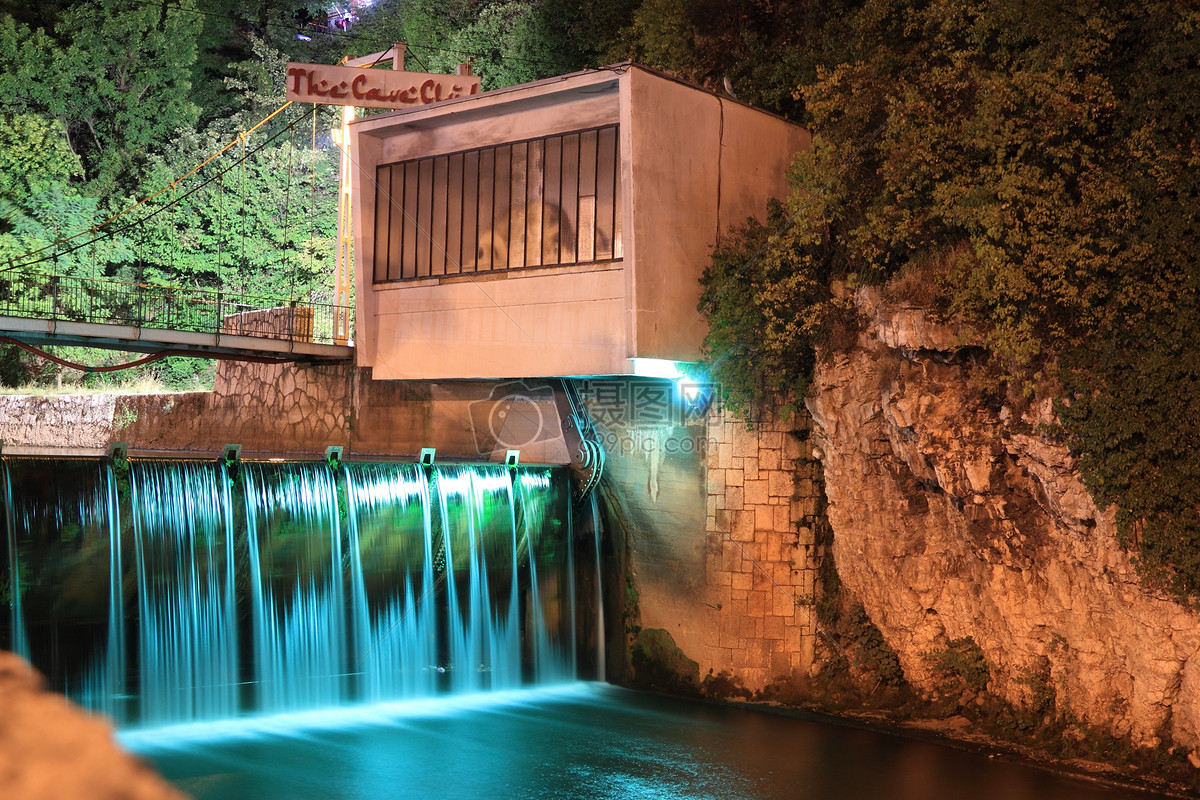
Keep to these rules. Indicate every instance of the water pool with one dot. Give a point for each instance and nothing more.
(584, 740)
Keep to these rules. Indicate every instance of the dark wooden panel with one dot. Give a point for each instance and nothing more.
(424, 215)
(383, 181)
(536, 170)
(618, 211)
(470, 226)
(437, 248)
(516, 227)
(487, 186)
(501, 203)
(396, 223)
(569, 201)
(454, 213)
(408, 262)
(551, 213)
(606, 176)
(587, 197)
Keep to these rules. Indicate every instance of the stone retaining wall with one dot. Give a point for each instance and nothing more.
(764, 501)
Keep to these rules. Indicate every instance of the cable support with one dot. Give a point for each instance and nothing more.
(96, 229)
(62, 362)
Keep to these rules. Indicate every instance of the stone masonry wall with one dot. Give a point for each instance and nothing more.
(764, 501)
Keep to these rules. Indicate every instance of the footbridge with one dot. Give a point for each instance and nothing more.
(202, 234)
(41, 310)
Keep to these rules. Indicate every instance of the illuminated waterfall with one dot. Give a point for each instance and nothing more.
(170, 592)
(187, 618)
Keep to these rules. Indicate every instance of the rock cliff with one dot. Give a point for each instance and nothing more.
(50, 749)
(955, 518)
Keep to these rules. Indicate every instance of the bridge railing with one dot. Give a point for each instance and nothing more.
(95, 300)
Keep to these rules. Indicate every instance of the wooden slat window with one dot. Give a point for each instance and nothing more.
(541, 202)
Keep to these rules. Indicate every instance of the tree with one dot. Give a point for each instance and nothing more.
(121, 84)
(1034, 163)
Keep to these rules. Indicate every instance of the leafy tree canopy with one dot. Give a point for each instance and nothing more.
(1031, 168)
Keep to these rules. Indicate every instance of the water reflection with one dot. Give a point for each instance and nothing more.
(584, 741)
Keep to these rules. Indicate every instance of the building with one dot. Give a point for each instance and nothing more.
(557, 228)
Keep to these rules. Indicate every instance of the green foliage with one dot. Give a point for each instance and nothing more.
(765, 49)
(1043, 697)
(120, 80)
(38, 202)
(872, 652)
(1039, 161)
(1134, 417)
(507, 41)
(962, 660)
(769, 306)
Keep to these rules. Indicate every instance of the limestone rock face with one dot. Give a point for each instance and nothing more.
(50, 750)
(955, 519)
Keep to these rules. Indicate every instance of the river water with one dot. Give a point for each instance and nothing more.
(583, 740)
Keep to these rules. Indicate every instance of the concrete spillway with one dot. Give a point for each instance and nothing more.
(173, 592)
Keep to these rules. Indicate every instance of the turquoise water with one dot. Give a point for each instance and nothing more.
(168, 592)
(578, 741)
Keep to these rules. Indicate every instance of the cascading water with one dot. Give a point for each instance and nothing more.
(296, 586)
(186, 611)
(64, 578)
(395, 623)
(181, 591)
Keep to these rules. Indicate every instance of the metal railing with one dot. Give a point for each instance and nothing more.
(94, 300)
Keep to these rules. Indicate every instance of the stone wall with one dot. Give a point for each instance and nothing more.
(720, 521)
(764, 502)
(292, 411)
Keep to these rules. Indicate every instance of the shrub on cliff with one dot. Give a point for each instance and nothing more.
(1044, 157)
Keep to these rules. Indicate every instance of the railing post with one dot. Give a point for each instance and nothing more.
(54, 297)
(219, 327)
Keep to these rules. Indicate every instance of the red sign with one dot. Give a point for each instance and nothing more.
(374, 88)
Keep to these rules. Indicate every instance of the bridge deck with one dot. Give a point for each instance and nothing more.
(44, 332)
(40, 310)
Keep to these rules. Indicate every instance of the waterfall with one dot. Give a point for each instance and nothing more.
(395, 620)
(187, 631)
(296, 586)
(167, 592)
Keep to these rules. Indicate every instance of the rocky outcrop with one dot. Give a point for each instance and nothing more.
(49, 749)
(953, 518)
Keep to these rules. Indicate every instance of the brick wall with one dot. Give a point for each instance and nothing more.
(764, 498)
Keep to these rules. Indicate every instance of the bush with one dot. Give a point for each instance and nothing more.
(962, 661)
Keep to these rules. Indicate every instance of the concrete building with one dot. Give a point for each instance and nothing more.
(557, 228)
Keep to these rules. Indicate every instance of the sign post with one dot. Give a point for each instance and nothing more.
(353, 84)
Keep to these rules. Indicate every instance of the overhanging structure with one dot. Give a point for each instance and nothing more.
(559, 228)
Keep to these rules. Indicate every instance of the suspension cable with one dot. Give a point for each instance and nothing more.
(312, 203)
(95, 229)
(287, 217)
